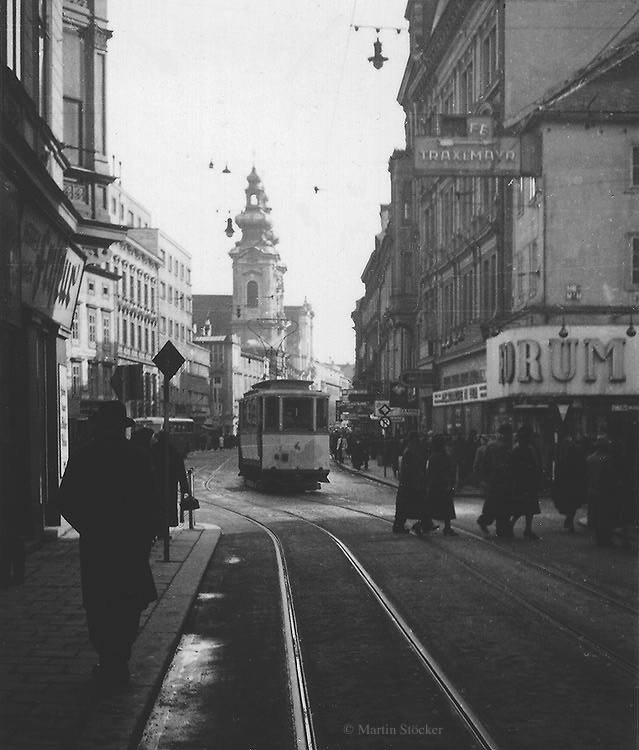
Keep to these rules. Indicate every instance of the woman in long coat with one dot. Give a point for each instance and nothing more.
(526, 478)
(440, 480)
(411, 496)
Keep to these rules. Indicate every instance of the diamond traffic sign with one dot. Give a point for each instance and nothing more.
(383, 408)
(168, 360)
(384, 423)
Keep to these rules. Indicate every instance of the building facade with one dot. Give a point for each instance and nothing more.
(53, 230)
(513, 206)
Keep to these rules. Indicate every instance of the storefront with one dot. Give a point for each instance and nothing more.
(460, 411)
(585, 384)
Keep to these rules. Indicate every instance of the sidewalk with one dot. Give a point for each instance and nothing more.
(47, 701)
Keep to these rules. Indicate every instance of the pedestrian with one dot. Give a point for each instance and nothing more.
(339, 449)
(571, 483)
(603, 492)
(410, 501)
(108, 494)
(355, 451)
(440, 485)
(142, 439)
(498, 483)
(176, 476)
(220, 442)
(526, 474)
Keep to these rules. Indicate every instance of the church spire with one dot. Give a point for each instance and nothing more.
(256, 225)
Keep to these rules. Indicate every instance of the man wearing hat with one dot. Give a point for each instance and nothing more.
(497, 477)
(109, 495)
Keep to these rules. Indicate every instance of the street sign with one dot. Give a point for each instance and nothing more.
(382, 408)
(168, 360)
(384, 423)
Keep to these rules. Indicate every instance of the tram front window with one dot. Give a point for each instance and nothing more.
(322, 414)
(271, 413)
(298, 414)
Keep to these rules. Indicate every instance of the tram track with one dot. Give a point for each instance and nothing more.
(622, 663)
(547, 570)
(453, 697)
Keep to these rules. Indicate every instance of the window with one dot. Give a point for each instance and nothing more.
(75, 328)
(93, 379)
(152, 341)
(43, 46)
(162, 324)
(297, 414)
(130, 218)
(181, 272)
(105, 291)
(635, 260)
(91, 318)
(132, 288)
(152, 298)
(162, 290)
(132, 324)
(176, 299)
(170, 294)
(170, 329)
(533, 266)
(139, 286)
(271, 413)
(162, 256)
(321, 406)
(123, 284)
(466, 88)
(251, 294)
(121, 211)
(146, 339)
(181, 301)
(75, 379)
(489, 58)
(635, 166)
(181, 333)
(106, 329)
(170, 264)
(140, 337)
(114, 206)
(125, 330)
(146, 295)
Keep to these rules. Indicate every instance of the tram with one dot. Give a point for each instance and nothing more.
(283, 434)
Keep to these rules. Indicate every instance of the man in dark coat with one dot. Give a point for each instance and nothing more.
(411, 493)
(177, 475)
(109, 495)
(497, 479)
(440, 484)
(571, 481)
(603, 492)
(526, 477)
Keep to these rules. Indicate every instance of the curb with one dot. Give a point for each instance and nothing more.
(119, 721)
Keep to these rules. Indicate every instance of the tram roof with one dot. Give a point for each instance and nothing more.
(282, 385)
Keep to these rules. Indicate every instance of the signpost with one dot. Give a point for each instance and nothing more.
(168, 361)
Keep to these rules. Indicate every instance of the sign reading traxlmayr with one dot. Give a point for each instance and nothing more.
(441, 156)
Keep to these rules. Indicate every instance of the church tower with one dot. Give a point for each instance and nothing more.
(258, 276)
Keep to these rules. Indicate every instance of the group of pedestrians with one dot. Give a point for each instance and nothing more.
(111, 495)
(426, 487)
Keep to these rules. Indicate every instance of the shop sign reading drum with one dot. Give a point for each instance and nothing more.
(592, 360)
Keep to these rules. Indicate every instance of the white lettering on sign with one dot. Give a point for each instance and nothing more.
(524, 361)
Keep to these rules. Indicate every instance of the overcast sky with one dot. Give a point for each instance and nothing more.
(286, 85)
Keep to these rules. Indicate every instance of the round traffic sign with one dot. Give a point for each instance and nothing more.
(384, 423)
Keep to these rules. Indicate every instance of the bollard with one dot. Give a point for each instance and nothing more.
(190, 480)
